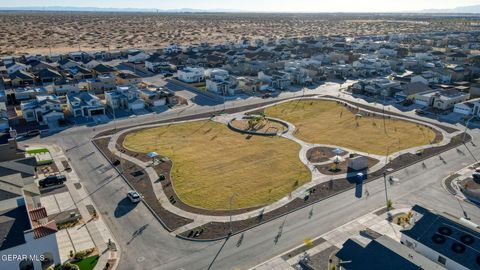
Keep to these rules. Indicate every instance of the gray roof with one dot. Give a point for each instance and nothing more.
(24, 166)
(448, 237)
(13, 223)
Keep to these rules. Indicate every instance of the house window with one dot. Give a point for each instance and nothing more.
(442, 260)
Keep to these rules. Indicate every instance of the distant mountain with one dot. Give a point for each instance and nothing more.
(96, 9)
(467, 9)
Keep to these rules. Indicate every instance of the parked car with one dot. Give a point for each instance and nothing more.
(476, 176)
(133, 196)
(52, 180)
(32, 133)
(266, 95)
(477, 169)
(419, 112)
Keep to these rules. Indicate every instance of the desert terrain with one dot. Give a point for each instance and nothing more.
(38, 32)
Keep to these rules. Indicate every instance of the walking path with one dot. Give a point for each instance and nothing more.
(95, 227)
(317, 177)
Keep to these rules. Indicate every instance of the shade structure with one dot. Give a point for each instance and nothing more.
(152, 154)
(337, 151)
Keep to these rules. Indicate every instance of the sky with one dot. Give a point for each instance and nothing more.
(258, 5)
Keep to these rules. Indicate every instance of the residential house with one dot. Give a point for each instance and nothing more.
(137, 56)
(44, 109)
(382, 253)
(127, 78)
(80, 73)
(22, 78)
(468, 108)
(441, 99)
(191, 75)
(67, 64)
(219, 86)
(100, 84)
(9, 147)
(48, 75)
(277, 79)
(124, 97)
(381, 87)
(410, 90)
(156, 63)
(102, 69)
(63, 89)
(4, 124)
(248, 85)
(156, 97)
(36, 66)
(451, 242)
(26, 93)
(84, 104)
(14, 67)
(79, 56)
(25, 227)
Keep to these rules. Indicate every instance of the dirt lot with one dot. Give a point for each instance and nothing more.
(35, 32)
(211, 163)
(327, 122)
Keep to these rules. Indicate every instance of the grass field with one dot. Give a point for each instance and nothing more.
(326, 122)
(212, 162)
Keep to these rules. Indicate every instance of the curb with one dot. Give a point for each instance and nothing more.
(303, 206)
(128, 183)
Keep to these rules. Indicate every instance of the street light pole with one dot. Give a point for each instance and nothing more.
(466, 128)
(385, 178)
(114, 119)
(230, 223)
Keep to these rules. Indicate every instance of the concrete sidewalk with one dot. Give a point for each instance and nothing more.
(335, 239)
(94, 228)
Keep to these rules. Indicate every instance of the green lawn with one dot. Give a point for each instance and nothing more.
(38, 151)
(211, 163)
(87, 263)
(326, 122)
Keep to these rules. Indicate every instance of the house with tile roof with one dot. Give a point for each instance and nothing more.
(24, 225)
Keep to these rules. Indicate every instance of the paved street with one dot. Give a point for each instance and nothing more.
(146, 245)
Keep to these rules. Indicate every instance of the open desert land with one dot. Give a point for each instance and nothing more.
(212, 162)
(327, 122)
(37, 32)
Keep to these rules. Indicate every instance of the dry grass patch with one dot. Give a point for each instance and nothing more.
(326, 122)
(212, 162)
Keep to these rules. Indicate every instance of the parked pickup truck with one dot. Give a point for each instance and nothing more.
(52, 180)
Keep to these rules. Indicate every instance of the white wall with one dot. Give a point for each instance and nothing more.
(34, 247)
(431, 254)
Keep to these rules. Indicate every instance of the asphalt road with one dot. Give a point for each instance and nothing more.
(146, 245)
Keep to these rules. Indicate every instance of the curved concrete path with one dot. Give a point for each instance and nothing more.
(317, 177)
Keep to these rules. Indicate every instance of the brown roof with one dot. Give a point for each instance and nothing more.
(45, 229)
(37, 213)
